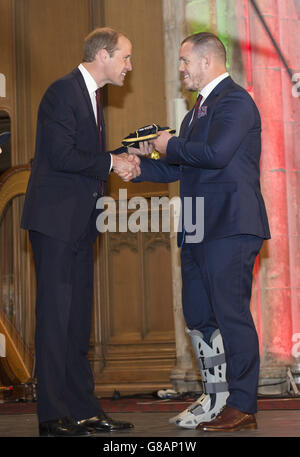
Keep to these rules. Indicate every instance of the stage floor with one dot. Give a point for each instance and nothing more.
(271, 423)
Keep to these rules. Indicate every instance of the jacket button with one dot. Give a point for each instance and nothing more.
(95, 194)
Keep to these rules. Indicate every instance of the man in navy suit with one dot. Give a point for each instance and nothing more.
(216, 157)
(68, 175)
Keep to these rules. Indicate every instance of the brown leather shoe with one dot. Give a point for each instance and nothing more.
(229, 420)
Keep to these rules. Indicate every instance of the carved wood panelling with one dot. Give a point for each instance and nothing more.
(138, 329)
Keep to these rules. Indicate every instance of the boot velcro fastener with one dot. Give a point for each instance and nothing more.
(197, 410)
(215, 387)
(210, 362)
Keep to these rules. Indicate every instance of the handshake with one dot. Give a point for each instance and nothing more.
(127, 166)
(140, 143)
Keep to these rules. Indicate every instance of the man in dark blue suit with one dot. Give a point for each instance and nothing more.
(216, 157)
(68, 175)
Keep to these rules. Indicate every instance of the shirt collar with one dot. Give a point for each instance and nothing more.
(88, 79)
(210, 86)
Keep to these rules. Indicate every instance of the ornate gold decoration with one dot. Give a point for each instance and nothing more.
(12, 183)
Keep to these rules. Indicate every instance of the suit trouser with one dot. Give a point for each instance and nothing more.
(64, 273)
(216, 293)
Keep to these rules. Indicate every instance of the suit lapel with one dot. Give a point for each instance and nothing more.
(209, 102)
(86, 96)
(185, 124)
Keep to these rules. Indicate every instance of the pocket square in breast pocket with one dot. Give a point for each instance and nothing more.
(202, 111)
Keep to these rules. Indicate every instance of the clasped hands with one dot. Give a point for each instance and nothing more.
(127, 166)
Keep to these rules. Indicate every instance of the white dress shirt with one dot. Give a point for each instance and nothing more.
(210, 86)
(91, 86)
(208, 89)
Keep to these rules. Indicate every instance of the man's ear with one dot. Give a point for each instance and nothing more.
(102, 55)
(206, 59)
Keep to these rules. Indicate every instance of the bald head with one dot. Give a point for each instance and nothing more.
(205, 42)
(202, 58)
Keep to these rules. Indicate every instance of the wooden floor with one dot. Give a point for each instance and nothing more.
(278, 423)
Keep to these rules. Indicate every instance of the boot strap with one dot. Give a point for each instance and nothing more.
(197, 410)
(210, 362)
(215, 387)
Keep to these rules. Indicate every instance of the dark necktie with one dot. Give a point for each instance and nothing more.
(197, 105)
(98, 98)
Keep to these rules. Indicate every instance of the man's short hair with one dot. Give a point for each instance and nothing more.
(206, 40)
(101, 38)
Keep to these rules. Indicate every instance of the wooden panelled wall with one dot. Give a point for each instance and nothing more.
(132, 343)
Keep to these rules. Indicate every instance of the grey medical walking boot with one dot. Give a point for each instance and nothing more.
(211, 359)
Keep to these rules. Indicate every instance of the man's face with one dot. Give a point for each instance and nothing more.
(192, 67)
(119, 63)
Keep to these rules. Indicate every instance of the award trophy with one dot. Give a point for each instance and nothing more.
(149, 132)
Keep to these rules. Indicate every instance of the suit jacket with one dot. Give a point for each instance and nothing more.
(216, 156)
(69, 162)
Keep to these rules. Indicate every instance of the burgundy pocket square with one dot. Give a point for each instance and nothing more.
(202, 111)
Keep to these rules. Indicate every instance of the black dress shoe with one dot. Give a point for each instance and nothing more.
(104, 423)
(64, 427)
